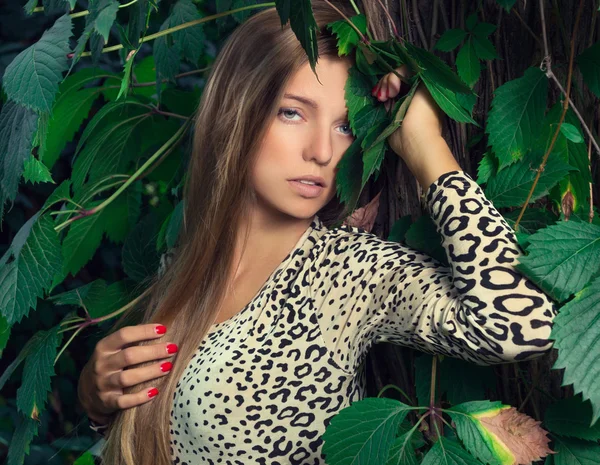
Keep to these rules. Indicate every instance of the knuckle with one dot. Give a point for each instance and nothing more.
(123, 378)
(120, 402)
(128, 357)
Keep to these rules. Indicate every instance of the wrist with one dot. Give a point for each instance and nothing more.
(429, 159)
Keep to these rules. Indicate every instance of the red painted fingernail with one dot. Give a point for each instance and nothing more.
(166, 366)
(160, 329)
(171, 348)
(152, 392)
(373, 89)
(379, 94)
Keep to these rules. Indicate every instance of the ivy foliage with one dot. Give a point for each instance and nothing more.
(133, 121)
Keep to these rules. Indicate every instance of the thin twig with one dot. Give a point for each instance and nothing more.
(565, 104)
(537, 39)
(392, 24)
(434, 21)
(591, 214)
(417, 19)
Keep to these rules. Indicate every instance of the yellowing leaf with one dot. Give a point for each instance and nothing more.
(498, 434)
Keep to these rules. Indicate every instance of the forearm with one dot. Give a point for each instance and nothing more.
(428, 159)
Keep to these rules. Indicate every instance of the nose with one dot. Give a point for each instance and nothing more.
(321, 148)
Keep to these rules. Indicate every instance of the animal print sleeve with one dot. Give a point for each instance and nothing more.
(480, 308)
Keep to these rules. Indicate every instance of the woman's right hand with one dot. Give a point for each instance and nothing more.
(108, 371)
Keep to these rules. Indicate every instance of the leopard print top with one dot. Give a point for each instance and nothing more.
(263, 385)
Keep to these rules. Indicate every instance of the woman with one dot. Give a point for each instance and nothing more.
(270, 313)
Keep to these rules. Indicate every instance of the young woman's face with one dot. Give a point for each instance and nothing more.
(305, 138)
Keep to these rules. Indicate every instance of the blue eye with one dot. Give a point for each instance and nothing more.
(294, 112)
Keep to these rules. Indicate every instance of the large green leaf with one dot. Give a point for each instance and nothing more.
(448, 452)
(358, 95)
(37, 374)
(477, 439)
(302, 21)
(572, 417)
(97, 298)
(532, 220)
(17, 126)
(36, 258)
(506, 4)
(576, 452)
(577, 334)
(402, 451)
(26, 430)
(110, 149)
(364, 432)
(515, 119)
(487, 167)
(435, 70)
(510, 187)
(373, 156)
(589, 65)
(447, 101)
(32, 78)
(563, 257)
(467, 63)
(4, 334)
(190, 40)
(70, 110)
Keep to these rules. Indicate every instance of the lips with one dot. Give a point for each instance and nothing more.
(319, 181)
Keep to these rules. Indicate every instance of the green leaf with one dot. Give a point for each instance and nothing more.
(99, 21)
(467, 63)
(140, 258)
(484, 49)
(136, 25)
(516, 117)
(347, 37)
(32, 78)
(589, 65)
(562, 257)
(423, 236)
(166, 53)
(364, 432)
(17, 126)
(577, 330)
(399, 229)
(36, 171)
(450, 39)
(447, 100)
(86, 459)
(110, 149)
(575, 452)
(302, 21)
(477, 439)
(69, 112)
(37, 374)
(435, 70)
(488, 166)
(471, 21)
(448, 452)
(97, 298)
(81, 242)
(571, 133)
(510, 187)
(26, 430)
(36, 258)
(506, 4)
(127, 67)
(189, 40)
(575, 182)
(572, 417)
(402, 451)
(4, 334)
(349, 175)
(175, 222)
(482, 30)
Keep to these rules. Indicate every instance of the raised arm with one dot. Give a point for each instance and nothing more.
(480, 308)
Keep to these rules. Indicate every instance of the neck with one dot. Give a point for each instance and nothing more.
(270, 237)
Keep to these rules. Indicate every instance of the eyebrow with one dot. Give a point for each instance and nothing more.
(305, 100)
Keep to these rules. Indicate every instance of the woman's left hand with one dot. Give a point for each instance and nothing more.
(423, 120)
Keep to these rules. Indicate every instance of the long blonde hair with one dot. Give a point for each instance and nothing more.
(239, 101)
